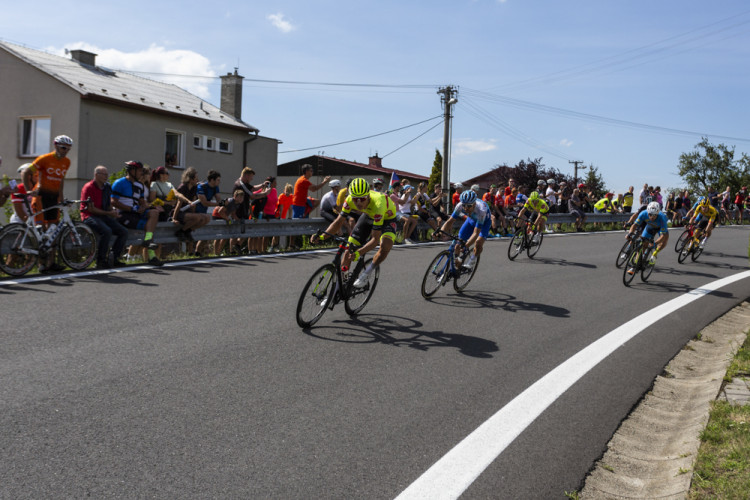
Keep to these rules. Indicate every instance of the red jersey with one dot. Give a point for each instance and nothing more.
(456, 198)
(91, 190)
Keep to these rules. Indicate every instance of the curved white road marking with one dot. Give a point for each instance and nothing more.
(449, 477)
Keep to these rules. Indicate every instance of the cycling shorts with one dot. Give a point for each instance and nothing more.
(467, 229)
(49, 199)
(363, 228)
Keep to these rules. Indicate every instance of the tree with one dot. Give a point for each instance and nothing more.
(437, 173)
(710, 165)
(594, 182)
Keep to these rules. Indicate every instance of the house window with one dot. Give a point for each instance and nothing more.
(198, 141)
(174, 148)
(225, 146)
(34, 136)
(211, 143)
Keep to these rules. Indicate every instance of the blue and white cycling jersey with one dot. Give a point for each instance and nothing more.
(479, 215)
(652, 226)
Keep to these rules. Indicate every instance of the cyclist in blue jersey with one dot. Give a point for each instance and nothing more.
(653, 221)
(476, 226)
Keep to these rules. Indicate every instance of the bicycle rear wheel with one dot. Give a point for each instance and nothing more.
(516, 243)
(316, 296)
(357, 298)
(77, 246)
(13, 239)
(623, 254)
(464, 275)
(681, 241)
(533, 248)
(436, 274)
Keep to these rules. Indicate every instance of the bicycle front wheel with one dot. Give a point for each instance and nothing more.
(681, 241)
(436, 274)
(357, 297)
(697, 251)
(516, 243)
(631, 266)
(316, 296)
(464, 275)
(533, 248)
(77, 246)
(687, 248)
(646, 267)
(14, 240)
(623, 254)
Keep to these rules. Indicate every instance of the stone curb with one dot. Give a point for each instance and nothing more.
(652, 453)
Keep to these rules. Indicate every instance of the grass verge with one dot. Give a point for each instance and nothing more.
(722, 469)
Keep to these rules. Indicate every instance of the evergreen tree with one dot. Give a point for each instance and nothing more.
(437, 173)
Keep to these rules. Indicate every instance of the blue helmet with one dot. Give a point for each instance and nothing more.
(468, 197)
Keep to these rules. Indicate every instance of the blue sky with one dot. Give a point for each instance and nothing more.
(534, 78)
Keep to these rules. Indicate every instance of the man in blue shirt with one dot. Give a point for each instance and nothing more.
(207, 191)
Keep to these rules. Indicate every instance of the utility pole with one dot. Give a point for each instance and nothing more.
(575, 175)
(447, 97)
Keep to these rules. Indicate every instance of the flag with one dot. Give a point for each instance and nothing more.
(394, 179)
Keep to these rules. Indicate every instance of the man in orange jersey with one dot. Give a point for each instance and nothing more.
(52, 168)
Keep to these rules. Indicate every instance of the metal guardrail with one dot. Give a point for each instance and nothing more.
(219, 230)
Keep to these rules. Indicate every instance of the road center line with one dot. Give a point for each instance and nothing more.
(450, 476)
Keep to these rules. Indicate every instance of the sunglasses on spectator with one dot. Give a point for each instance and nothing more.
(359, 198)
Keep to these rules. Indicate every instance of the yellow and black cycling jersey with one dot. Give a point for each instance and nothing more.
(707, 212)
(380, 208)
(538, 205)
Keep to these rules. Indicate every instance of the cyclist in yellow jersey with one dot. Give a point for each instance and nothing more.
(536, 205)
(703, 214)
(376, 222)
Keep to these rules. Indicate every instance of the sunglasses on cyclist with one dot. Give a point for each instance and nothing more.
(359, 198)
(468, 205)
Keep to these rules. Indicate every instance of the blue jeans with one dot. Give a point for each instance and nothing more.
(105, 228)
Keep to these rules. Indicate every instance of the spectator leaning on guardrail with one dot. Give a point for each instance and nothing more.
(184, 212)
(101, 217)
(251, 192)
(575, 207)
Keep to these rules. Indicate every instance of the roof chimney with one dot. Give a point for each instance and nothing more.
(231, 94)
(376, 161)
(84, 57)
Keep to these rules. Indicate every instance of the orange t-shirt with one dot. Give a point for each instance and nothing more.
(52, 171)
(300, 191)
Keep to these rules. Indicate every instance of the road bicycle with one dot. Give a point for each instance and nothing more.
(627, 248)
(684, 237)
(527, 237)
(331, 284)
(448, 265)
(639, 261)
(23, 244)
(692, 247)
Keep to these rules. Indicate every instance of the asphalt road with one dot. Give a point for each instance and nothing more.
(195, 381)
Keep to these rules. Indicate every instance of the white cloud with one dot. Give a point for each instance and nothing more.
(279, 22)
(566, 143)
(468, 146)
(162, 63)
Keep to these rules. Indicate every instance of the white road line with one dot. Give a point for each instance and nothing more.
(449, 477)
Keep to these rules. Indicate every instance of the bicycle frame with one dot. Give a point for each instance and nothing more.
(31, 226)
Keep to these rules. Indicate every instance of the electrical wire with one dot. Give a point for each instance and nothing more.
(362, 138)
(417, 137)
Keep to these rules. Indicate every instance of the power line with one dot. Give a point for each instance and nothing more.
(417, 137)
(361, 138)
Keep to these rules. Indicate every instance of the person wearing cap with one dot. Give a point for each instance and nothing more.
(455, 199)
(541, 187)
(128, 198)
(328, 206)
(101, 217)
(604, 205)
(301, 189)
(377, 185)
(20, 197)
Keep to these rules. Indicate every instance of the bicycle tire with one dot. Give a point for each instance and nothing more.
(631, 266)
(13, 262)
(697, 251)
(517, 243)
(464, 275)
(681, 241)
(436, 274)
(77, 246)
(686, 250)
(623, 254)
(531, 249)
(357, 298)
(646, 267)
(316, 296)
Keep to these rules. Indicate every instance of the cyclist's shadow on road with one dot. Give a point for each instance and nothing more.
(495, 300)
(399, 331)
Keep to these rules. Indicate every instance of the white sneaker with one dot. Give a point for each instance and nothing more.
(361, 280)
(409, 241)
(469, 264)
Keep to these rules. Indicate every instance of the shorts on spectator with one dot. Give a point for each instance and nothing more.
(132, 220)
